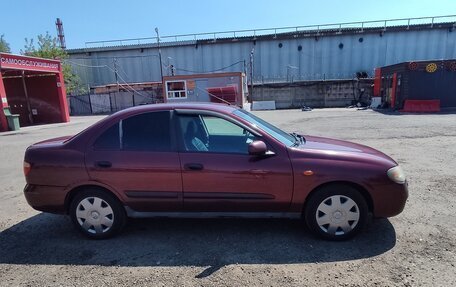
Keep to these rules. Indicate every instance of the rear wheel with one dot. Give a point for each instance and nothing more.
(336, 212)
(97, 214)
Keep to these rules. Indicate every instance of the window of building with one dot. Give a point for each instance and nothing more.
(176, 89)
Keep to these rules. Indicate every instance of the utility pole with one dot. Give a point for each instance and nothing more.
(251, 74)
(60, 33)
(159, 55)
(170, 67)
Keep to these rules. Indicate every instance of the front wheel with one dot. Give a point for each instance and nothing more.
(97, 214)
(336, 212)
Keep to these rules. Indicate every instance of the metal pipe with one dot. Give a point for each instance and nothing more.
(251, 75)
(115, 73)
(159, 56)
(29, 107)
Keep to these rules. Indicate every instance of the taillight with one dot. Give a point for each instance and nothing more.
(27, 168)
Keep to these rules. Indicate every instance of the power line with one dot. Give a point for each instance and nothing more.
(88, 66)
(128, 85)
(110, 57)
(113, 70)
(199, 72)
(123, 71)
(130, 88)
(179, 69)
(210, 94)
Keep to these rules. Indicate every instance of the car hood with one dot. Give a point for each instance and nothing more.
(328, 148)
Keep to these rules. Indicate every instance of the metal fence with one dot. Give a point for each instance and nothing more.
(110, 103)
(360, 25)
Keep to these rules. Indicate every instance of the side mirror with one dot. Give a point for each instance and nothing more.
(257, 148)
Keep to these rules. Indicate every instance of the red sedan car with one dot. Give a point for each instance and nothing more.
(209, 160)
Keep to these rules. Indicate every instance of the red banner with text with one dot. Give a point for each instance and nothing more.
(16, 62)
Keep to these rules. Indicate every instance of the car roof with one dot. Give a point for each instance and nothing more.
(216, 107)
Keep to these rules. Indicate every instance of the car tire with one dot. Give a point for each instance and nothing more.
(336, 212)
(97, 214)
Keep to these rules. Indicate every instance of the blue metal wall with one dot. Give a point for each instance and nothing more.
(319, 58)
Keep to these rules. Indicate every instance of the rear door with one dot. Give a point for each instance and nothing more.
(219, 175)
(137, 157)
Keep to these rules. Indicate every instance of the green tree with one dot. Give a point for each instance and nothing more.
(4, 46)
(48, 47)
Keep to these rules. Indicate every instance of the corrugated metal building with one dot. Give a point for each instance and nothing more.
(336, 51)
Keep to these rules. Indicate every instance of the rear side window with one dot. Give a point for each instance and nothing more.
(109, 139)
(147, 132)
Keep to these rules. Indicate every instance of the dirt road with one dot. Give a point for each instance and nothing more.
(416, 248)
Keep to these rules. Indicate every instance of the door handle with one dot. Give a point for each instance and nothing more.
(103, 163)
(193, 166)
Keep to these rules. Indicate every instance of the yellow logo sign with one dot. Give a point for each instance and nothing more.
(431, 68)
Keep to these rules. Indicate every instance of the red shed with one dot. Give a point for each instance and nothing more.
(421, 86)
(34, 89)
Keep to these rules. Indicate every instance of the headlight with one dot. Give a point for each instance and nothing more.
(396, 174)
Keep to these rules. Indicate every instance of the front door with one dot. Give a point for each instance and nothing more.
(218, 174)
(137, 158)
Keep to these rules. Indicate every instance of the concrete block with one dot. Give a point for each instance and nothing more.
(263, 105)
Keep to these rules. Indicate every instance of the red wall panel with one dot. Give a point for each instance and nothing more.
(377, 82)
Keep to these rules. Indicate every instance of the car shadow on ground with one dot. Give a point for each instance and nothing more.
(213, 243)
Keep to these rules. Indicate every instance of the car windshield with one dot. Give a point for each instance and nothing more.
(275, 132)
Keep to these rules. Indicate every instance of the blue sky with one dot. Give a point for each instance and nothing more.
(90, 20)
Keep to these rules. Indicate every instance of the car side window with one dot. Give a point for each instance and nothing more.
(219, 126)
(203, 133)
(147, 132)
(109, 139)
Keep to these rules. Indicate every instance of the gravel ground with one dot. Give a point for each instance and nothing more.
(416, 248)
